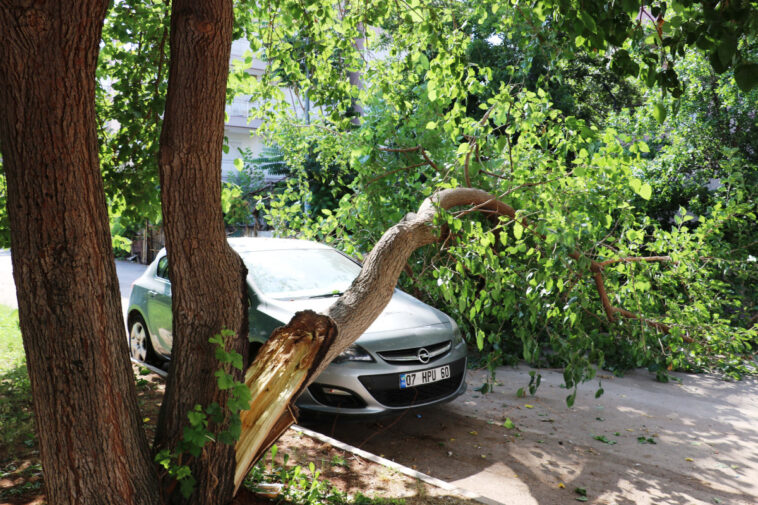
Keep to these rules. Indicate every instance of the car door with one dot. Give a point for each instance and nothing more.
(159, 309)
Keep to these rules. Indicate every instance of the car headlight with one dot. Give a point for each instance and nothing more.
(457, 335)
(353, 353)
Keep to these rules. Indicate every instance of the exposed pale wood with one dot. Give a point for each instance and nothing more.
(276, 377)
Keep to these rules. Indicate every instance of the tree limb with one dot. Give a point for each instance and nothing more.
(296, 354)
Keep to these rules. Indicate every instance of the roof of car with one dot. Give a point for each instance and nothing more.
(247, 244)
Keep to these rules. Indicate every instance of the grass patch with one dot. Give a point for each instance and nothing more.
(303, 485)
(17, 438)
(11, 346)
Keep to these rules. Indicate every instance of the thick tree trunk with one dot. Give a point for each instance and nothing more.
(92, 446)
(207, 277)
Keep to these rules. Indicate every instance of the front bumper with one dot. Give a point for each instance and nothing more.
(372, 389)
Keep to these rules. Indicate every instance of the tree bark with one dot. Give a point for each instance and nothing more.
(209, 293)
(92, 446)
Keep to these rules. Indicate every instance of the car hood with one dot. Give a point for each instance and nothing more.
(402, 313)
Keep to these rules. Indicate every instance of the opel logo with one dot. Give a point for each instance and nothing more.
(423, 355)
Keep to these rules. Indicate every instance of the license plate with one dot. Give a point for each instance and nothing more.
(413, 379)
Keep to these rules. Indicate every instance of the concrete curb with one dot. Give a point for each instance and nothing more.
(153, 369)
(432, 481)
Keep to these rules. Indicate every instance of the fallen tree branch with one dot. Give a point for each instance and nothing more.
(297, 353)
(402, 169)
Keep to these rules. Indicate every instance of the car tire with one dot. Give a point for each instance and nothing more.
(140, 346)
(253, 350)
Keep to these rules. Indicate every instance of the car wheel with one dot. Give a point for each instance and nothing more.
(254, 348)
(140, 346)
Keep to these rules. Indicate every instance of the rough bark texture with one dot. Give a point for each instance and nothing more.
(372, 290)
(207, 277)
(92, 446)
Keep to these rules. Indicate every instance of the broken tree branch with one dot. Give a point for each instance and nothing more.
(297, 353)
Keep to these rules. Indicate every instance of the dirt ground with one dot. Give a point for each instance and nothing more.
(349, 473)
(692, 441)
(21, 477)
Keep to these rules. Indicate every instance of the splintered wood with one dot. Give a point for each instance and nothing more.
(275, 379)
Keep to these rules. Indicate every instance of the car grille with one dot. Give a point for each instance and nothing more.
(410, 356)
(386, 388)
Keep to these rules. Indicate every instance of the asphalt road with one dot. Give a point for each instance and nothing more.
(691, 441)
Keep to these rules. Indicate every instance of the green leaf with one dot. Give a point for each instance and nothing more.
(604, 439)
(187, 486)
(484, 388)
(570, 400)
(508, 423)
(431, 92)
(726, 50)
(225, 381)
(659, 112)
(636, 184)
(589, 23)
(518, 230)
(646, 191)
(746, 76)
(431, 125)
(423, 60)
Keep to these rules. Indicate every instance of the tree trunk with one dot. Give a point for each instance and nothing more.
(92, 446)
(209, 293)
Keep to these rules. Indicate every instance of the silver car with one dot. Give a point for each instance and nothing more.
(412, 355)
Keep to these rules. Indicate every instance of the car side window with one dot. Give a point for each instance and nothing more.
(162, 270)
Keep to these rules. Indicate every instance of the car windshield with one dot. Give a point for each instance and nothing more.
(300, 273)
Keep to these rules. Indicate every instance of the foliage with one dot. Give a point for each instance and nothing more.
(31, 481)
(703, 156)
(132, 77)
(584, 86)
(210, 424)
(246, 187)
(16, 419)
(303, 486)
(519, 287)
